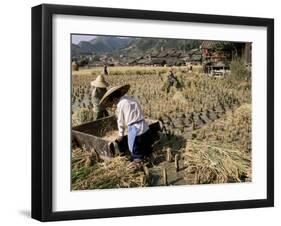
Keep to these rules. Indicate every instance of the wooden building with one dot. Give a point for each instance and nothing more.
(163, 57)
(217, 55)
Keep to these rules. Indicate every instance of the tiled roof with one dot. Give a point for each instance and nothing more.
(209, 44)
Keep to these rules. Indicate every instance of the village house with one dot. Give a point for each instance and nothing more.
(163, 57)
(217, 55)
(195, 57)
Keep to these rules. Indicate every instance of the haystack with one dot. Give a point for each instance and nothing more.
(75, 66)
(207, 163)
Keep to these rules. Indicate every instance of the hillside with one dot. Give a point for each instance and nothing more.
(129, 46)
(98, 45)
(143, 45)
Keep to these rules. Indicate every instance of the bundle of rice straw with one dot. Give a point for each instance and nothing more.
(82, 115)
(75, 66)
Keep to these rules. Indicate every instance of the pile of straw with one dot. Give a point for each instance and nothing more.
(221, 151)
(111, 135)
(207, 163)
(82, 115)
(234, 128)
(115, 173)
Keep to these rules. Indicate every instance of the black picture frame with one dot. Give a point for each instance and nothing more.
(42, 107)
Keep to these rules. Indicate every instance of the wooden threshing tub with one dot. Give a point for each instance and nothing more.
(92, 136)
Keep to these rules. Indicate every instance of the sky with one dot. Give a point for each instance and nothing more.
(77, 38)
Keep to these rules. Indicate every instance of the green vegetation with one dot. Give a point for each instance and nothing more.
(239, 71)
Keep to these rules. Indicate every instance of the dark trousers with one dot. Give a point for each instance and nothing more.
(142, 146)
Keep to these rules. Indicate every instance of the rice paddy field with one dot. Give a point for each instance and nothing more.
(206, 135)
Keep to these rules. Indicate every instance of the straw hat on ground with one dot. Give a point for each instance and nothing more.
(120, 90)
(100, 82)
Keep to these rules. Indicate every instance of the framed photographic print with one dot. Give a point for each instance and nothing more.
(146, 112)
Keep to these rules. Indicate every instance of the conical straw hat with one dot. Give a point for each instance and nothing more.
(123, 89)
(100, 82)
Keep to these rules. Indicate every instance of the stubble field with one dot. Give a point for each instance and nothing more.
(207, 127)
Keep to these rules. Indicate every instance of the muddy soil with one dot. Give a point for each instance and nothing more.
(173, 177)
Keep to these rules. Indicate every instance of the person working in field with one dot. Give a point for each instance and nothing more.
(129, 113)
(105, 70)
(172, 79)
(99, 89)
